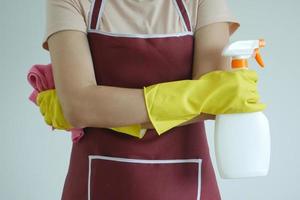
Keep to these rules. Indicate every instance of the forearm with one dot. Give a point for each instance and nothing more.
(107, 106)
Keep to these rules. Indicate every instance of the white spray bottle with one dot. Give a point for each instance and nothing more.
(242, 141)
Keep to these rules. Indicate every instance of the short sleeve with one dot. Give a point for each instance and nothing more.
(63, 15)
(211, 11)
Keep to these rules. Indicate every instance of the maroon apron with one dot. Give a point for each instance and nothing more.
(108, 165)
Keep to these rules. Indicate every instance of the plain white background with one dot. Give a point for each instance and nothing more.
(34, 160)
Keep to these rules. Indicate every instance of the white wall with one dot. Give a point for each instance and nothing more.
(34, 160)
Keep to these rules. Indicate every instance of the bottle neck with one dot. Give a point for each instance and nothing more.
(239, 63)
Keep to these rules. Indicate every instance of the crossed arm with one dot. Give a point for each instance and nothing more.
(86, 104)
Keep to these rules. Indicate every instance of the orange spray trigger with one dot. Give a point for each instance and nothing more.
(258, 58)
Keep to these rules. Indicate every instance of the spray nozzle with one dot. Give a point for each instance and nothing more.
(242, 50)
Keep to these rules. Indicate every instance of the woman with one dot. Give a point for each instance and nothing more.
(103, 53)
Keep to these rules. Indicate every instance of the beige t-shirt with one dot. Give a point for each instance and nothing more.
(135, 16)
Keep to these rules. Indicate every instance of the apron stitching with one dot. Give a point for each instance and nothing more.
(141, 35)
(199, 179)
(146, 161)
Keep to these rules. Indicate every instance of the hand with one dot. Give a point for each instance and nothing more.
(231, 92)
(51, 109)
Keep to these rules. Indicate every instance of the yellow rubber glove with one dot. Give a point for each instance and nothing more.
(219, 92)
(50, 108)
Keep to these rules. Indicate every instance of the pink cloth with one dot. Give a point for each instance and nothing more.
(40, 78)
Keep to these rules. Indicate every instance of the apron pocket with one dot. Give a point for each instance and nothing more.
(135, 179)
